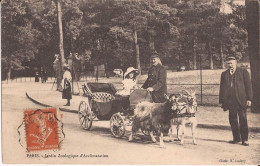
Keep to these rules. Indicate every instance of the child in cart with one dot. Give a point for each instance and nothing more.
(129, 82)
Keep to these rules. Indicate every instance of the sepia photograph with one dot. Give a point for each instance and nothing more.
(130, 82)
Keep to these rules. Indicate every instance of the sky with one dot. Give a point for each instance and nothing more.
(226, 8)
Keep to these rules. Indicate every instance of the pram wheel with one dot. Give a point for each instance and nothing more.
(117, 125)
(85, 115)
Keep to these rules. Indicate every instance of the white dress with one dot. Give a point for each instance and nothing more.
(128, 84)
(66, 75)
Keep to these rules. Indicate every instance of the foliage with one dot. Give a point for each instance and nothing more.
(19, 36)
(102, 32)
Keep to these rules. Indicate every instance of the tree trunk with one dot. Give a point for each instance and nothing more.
(221, 56)
(60, 31)
(210, 56)
(9, 74)
(138, 65)
(253, 27)
(151, 43)
(188, 65)
(194, 54)
(9, 69)
(59, 15)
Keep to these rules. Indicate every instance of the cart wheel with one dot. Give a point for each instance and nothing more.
(85, 115)
(117, 125)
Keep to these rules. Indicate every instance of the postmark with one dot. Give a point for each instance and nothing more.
(43, 130)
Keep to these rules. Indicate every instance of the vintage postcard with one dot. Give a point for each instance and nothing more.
(130, 82)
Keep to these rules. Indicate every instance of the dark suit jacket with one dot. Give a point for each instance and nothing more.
(157, 80)
(242, 85)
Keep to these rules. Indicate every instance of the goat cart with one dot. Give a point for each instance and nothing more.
(101, 102)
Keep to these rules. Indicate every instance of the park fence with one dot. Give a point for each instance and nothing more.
(207, 94)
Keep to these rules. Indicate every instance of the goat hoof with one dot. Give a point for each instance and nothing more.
(130, 140)
(162, 146)
(177, 139)
(181, 142)
(195, 143)
(154, 140)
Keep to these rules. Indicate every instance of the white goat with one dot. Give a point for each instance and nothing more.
(185, 115)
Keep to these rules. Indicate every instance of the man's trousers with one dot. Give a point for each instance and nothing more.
(239, 129)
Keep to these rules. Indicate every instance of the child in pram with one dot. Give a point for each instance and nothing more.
(129, 82)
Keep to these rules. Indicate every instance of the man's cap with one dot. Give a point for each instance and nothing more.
(229, 58)
(154, 55)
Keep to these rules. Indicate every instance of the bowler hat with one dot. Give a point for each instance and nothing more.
(229, 58)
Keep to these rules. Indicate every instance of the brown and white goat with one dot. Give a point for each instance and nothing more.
(186, 107)
(154, 118)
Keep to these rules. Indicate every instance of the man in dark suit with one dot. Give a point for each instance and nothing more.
(156, 81)
(236, 95)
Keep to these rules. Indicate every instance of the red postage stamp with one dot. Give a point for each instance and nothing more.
(42, 129)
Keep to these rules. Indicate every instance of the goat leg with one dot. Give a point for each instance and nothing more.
(193, 129)
(161, 141)
(152, 137)
(130, 137)
(177, 129)
(170, 132)
(182, 127)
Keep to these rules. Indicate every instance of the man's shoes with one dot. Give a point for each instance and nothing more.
(67, 104)
(233, 142)
(245, 143)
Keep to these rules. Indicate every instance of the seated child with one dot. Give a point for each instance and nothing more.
(129, 81)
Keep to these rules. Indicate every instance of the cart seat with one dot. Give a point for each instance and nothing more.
(102, 97)
(101, 87)
(100, 92)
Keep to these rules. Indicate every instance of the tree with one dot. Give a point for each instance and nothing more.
(196, 19)
(188, 25)
(134, 17)
(107, 41)
(252, 15)
(19, 35)
(121, 33)
(151, 24)
(59, 18)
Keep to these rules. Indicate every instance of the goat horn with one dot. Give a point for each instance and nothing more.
(166, 96)
(186, 91)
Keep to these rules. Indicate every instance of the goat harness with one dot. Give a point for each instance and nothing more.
(187, 113)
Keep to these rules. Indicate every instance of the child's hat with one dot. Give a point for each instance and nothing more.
(129, 70)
